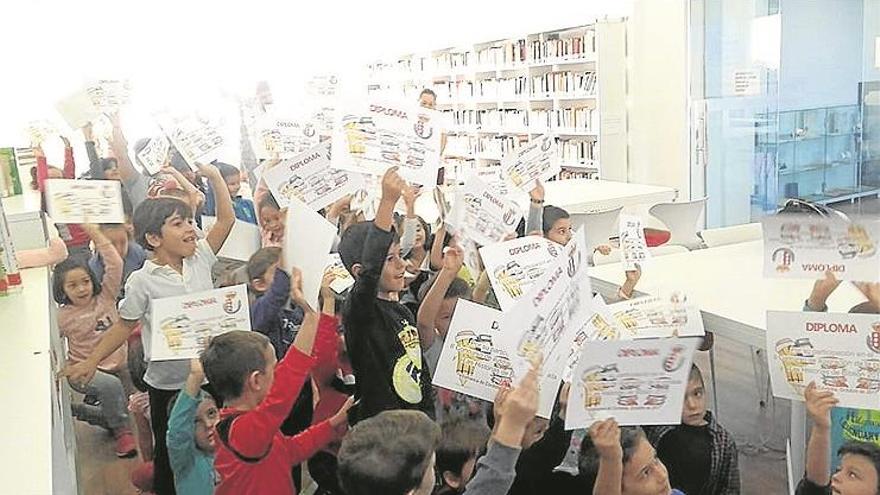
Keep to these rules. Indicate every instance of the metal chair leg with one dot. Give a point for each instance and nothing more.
(716, 412)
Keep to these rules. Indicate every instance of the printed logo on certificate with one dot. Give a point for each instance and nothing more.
(637, 382)
(513, 266)
(182, 326)
(838, 351)
(669, 314)
(798, 246)
(536, 160)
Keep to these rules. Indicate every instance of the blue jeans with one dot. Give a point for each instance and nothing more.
(112, 412)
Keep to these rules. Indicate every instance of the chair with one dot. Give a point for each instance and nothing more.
(731, 235)
(681, 220)
(600, 226)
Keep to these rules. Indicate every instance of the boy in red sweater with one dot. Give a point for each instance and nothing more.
(253, 457)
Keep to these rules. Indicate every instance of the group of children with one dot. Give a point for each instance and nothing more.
(346, 386)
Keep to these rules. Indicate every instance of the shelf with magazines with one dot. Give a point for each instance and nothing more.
(497, 95)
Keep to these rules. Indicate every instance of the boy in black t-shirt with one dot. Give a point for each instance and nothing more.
(699, 454)
(380, 333)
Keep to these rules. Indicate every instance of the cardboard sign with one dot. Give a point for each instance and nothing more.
(84, 201)
(78, 109)
(154, 156)
(243, 240)
(183, 325)
(310, 178)
(482, 215)
(537, 160)
(632, 243)
(513, 266)
(371, 136)
(546, 320)
(664, 315)
(472, 362)
(310, 250)
(195, 136)
(796, 246)
(838, 351)
(636, 382)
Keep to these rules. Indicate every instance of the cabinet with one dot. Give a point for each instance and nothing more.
(816, 154)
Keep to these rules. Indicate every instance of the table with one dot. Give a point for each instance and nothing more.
(38, 443)
(575, 196)
(728, 285)
(25, 220)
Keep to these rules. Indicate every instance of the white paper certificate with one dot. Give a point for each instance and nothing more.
(537, 160)
(796, 246)
(154, 156)
(636, 382)
(371, 136)
(472, 362)
(84, 201)
(481, 214)
(183, 325)
(310, 250)
(514, 265)
(632, 242)
(310, 178)
(195, 136)
(666, 315)
(838, 351)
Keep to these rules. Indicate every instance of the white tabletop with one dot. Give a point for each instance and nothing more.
(574, 195)
(728, 285)
(589, 195)
(27, 203)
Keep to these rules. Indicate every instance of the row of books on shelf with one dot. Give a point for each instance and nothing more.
(563, 48)
(513, 52)
(497, 147)
(564, 82)
(576, 118)
(458, 171)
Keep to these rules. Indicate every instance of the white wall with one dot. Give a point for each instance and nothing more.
(658, 92)
(870, 57)
(821, 63)
(186, 50)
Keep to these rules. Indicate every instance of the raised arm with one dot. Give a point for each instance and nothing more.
(92, 152)
(69, 163)
(119, 145)
(225, 214)
(606, 438)
(535, 220)
(430, 307)
(437, 248)
(819, 404)
(196, 197)
(181, 437)
(111, 282)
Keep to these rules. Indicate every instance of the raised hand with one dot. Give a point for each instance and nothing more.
(606, 439)
(392, 185)
(453, 259)
(822, 289)
(819, 404)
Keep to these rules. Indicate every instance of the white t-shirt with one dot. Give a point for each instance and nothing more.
(156, 282)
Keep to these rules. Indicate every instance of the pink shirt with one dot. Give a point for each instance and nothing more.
(84, 326)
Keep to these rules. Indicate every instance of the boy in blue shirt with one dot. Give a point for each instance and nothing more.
(244, 208)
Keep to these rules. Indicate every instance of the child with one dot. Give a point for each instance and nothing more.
(270, 314)
(859, 471)
(181, 264)
(133, 255)
(621, 461)
(191, 436)
(74, 236)
(438, 298)
(393, 453)
(382, 341)
(244, 208)
(271, 222)
(699, 454)
(88, 309)
(462, 441)
(253, 456)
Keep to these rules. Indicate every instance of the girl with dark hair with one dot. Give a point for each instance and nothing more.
(87, 310)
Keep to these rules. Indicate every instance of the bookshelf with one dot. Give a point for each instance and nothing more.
(496, 95)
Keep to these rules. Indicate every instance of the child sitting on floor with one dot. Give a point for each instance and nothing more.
(87, 310)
